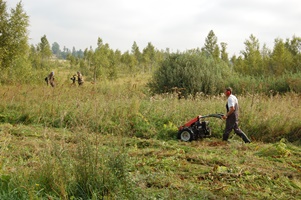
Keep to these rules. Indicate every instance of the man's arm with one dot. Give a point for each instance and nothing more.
(231, 110)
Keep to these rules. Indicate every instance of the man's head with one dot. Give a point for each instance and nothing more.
(228, 91)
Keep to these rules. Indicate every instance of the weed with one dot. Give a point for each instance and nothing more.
(113, 141)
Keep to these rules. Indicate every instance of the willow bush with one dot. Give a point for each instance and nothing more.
(195, 72)
(191, 72)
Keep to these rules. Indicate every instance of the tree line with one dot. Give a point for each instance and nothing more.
(210, 65)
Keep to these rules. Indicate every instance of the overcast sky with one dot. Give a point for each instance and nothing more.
(174, 24)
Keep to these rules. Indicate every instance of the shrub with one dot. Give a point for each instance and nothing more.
(190, 72)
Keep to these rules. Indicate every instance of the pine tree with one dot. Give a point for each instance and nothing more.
(211, 47)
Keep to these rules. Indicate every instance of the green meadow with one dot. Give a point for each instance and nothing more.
(115, 137)
(113, 140)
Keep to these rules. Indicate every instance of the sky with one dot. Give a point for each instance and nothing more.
(179, 25)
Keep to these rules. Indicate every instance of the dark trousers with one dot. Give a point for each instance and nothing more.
(232, 124)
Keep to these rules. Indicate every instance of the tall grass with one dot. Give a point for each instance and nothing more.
(72, 142)
(123, 109)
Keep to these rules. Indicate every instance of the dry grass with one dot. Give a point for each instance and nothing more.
(113, 140)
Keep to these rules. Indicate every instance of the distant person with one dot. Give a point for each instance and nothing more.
(50, 79)
(73, 79)
(232, 117)
(80, 79)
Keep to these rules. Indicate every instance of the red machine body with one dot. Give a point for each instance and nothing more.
(189, 123)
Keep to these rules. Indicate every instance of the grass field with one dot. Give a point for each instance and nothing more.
(113, 140)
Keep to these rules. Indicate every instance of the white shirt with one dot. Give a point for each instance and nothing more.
(232, 100)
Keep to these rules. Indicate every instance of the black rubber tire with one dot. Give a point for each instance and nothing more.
(186, 135)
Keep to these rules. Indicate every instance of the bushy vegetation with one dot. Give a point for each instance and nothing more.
(191, 72)
(115, 137)
(205, 70)
(195, 72)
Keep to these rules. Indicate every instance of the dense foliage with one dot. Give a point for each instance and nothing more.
(205, 70)
(113, 139)
(190, 73)
(13, 43)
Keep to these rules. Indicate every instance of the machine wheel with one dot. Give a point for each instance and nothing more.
(185, 134)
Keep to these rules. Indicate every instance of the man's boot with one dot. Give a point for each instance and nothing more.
(245, 138)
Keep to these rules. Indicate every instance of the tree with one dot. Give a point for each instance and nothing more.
(56, 49)
(191, 72)
(34, 57)
(44, 48)
(14, 35)
(282, 59)
(238, 64)
(100, 58)
(14, 46)
(294, 46)
(252, 57)
(74, 52)
(129, 60)
(266, 59)
(211, 46)
(136, 52)
(80, 53)
(148, 56)
(19, 21)
(3, 31)
(117, 56)
(65, 52)
(224, 54)
(88, 56)
(72, 59)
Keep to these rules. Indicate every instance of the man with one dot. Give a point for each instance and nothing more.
(232, 117)
(80, 78)
(50, 79)
(73, 79)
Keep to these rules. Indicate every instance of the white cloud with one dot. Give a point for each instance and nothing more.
(174, 24)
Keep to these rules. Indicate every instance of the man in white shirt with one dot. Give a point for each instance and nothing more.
(232, 117)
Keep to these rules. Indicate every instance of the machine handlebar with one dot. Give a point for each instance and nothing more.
(218, 115)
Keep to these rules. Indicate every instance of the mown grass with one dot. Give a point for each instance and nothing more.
(112, 140)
